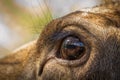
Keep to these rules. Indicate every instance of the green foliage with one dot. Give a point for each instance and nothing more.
(38, 22)
(21, 16)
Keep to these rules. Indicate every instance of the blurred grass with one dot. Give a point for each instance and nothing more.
(23, 18)
(37, 23)
(26, 25)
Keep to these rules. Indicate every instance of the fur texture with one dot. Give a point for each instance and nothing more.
(98, 28)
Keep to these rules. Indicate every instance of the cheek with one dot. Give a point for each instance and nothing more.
(53, 71)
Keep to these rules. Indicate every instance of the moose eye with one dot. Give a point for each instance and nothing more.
(72, 48)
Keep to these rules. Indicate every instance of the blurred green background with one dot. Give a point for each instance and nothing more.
(21, 21)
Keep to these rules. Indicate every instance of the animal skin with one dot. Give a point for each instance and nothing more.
(98, 28)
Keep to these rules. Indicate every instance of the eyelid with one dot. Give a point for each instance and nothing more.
(72, 33)
(61, 35)
(58, 37)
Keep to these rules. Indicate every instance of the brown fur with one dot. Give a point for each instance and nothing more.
(98, 27)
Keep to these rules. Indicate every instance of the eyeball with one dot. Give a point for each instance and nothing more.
(72, 48)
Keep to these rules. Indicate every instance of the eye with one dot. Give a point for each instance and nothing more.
(72, 48)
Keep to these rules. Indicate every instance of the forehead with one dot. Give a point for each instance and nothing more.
(94, 19)
(98, 22)
(100, 17)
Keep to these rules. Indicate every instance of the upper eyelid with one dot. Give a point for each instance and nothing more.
(80, 33)
(61, 35)
(64, 34)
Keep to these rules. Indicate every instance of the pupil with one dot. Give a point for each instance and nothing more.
(69, 46)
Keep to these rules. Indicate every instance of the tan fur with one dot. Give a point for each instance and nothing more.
(98, 27)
